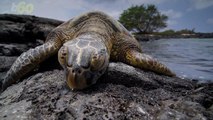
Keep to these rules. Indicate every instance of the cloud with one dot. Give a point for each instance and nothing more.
(172, 14)
(172, 22)
(202, 4)
(210, 21)
(59, 10)
(67, 9)
(115, 7)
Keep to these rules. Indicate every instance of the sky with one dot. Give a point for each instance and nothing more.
(189, 14)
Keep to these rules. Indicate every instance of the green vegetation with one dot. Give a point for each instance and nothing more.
(186, 31)
(143, 19)
(146, 21)
(171, 32)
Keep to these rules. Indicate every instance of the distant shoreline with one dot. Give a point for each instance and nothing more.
(156, 36)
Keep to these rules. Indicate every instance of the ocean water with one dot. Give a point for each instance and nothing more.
(188, 58)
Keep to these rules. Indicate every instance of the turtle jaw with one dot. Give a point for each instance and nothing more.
(76, 80)
(80, 78)
(73, 83)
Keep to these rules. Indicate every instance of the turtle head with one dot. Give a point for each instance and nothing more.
(84, 61)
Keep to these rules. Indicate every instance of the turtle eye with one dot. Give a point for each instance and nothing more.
(62, 55)
(98, 60)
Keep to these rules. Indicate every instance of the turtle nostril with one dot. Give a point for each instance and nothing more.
(79, 71)
(76, 69)
(95, 56)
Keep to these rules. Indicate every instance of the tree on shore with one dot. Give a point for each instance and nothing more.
(143, 19)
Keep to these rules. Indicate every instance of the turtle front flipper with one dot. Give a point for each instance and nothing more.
(143, 61)
(27, 61)
(127, 49)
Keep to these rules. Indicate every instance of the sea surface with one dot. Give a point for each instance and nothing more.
(188, 58)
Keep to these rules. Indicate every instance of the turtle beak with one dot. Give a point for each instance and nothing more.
(71, 80)
(75, 80)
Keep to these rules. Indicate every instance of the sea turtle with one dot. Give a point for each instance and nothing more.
(85, 45)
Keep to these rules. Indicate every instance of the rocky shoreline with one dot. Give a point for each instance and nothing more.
(123, 92)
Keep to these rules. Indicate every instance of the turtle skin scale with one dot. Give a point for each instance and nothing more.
(85, 45)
